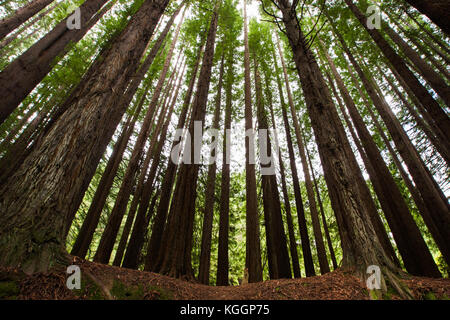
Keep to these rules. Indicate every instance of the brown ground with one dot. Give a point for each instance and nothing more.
(102, 281)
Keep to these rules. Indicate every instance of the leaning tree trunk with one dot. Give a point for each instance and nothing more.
(428, 188)
(20, 77)
(320, 246)
(275, 235)
(432, 77)
(21, 15)
(109, 235)
(438, 11)
(177, 258)
(208, 212)
(413, 249)
(322, 212)
(287, 204)
(154, 244)
(430, 104)
(39, 196)
(361, 247)
(253, 247)
(306, 247)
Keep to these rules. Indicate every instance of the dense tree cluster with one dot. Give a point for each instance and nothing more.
(355, 93)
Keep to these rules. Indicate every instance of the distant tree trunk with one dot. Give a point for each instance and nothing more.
(208, 212)
(306, 247)
(413, 249)
(177, 258)
(39, 196)
(154, 244)
(224, 210)
(322, 212)
(438, 11)
(287, 205)
(432, 107)
(140, 191)
(137, 238)
(361, 247)
(20, 77)
(432, 77)
(442, 149)
(253, 247)
(21, 15)
(272, 207)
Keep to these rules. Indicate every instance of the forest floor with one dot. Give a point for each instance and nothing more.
(107, 282)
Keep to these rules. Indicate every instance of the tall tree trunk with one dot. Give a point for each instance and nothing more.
(322, 212)
(84, 238)
(154, 244)
(144, 189)
(275, 235)
(306, 247)
(21, 15)
(177, 258)
(20, 77)
(361, 247)
(438, 11)
(432, 107)
(440, 147)
(39, 196)
(6, 41)
(432, 77)
(320, 246)
(152, 153)
(428, 188)
(137, 238)
(208, 212)
(287, 204)
(413, 249)
(253, 246)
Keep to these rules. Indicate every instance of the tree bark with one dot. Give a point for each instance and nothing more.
(21, 15)
(339, 163)
(306, 247)
(413, 249)
(39, 196)
(208, 212)
(154, 244)
(20, 77)
(432, 107)
(253, 246)
(438, 11)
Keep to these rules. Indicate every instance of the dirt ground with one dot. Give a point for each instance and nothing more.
(107, 282)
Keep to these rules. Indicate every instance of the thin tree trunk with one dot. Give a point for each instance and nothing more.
(208, 212)
(306, 247)
(275, 235)
(432, 107)
(322, 212)
(177, 258)
(287, 205)
(253, 247)
(433, 78)
(154, 244)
